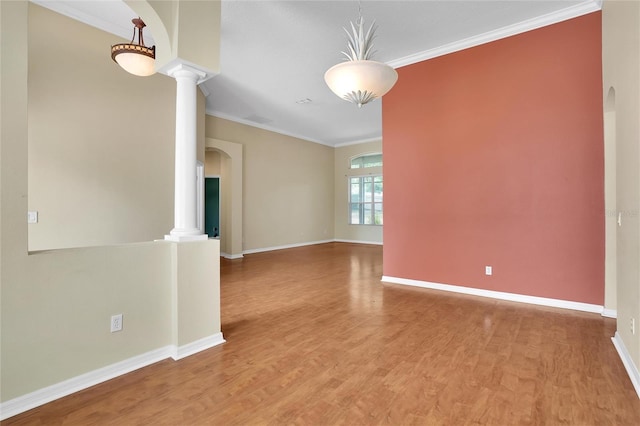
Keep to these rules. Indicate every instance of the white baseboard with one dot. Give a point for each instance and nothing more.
(197, 346)
(631, 368)
(609, 313)
(231, 256)
(50, 393)
(288, 246)
(309, 243)
(377, 243)
(42, 396)
(556, 303)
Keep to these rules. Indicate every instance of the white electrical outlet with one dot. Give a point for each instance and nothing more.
(488, 270)
(116, 323)
(633, 326)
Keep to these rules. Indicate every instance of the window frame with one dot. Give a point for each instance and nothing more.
(368, 154)
(362, 203)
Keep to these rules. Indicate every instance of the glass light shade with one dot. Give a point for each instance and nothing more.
(135, 59)
(360, 82)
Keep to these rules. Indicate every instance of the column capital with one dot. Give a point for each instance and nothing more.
(179, 68)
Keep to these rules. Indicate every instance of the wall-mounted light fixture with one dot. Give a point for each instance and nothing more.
(135, 58)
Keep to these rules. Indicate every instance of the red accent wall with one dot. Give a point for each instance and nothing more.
(494, 155)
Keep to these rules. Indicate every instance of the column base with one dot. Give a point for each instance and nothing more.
(183, 236)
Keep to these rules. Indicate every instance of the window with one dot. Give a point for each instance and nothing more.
(365, 192)
(369, 160)
(365, 200)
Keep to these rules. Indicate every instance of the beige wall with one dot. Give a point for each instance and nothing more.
(195, 291)
(611, 226)
(199, 29)
(621, 71)
(188, 30)
(212, 161)
(90, 172)
(342, 158)
(288, 186)
(56, 305)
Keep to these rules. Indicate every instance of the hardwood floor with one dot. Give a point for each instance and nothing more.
(314, 338)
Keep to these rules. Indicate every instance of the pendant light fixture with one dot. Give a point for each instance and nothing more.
(135, 58)
(360, 79)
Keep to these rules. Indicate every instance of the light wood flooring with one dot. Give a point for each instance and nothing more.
(314, 338)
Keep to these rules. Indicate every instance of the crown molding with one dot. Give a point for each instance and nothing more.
(508, 31)
(122, 30)
(359, 142)
(224, 116)
(264, 127)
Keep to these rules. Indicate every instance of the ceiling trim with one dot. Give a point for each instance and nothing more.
(264, 127)
(508, 31)
(358, 142)
(123, 30)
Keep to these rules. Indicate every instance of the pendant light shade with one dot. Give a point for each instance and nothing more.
(360, 79)
(135, 58)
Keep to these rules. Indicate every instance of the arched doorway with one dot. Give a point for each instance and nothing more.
(226, 162)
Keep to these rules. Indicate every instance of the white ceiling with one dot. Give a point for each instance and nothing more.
(274, 53)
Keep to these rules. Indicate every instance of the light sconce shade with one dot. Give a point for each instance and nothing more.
(359, 79)
(135, 58)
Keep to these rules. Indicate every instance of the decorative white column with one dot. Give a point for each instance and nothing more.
(185, 208)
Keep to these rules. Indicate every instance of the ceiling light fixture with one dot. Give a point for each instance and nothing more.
(135, 58)
(359, 79)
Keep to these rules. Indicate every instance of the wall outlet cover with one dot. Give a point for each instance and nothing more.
(116, 323)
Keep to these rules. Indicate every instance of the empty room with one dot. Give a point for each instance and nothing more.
(320, 212)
